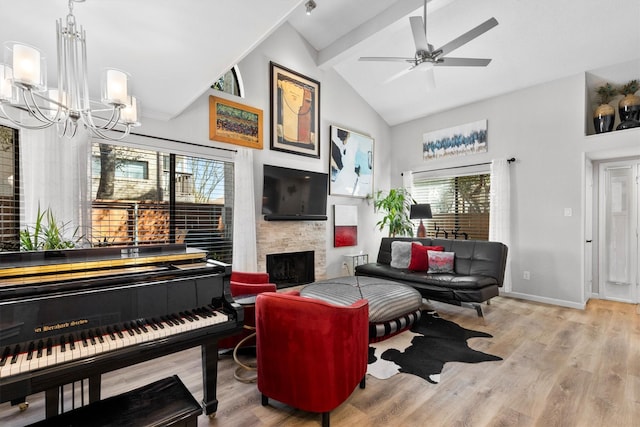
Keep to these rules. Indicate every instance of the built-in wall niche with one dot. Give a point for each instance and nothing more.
(617, 75)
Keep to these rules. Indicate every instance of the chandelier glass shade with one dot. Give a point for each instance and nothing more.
(23, 88)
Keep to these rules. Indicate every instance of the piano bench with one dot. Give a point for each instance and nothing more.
(166, 402)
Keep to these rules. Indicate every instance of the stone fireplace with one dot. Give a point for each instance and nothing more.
(281, 237)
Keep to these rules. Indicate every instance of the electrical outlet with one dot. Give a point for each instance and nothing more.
(526, 275)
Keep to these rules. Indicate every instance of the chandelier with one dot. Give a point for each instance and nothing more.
(23, 88)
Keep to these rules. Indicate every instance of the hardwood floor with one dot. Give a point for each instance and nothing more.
(561, 367)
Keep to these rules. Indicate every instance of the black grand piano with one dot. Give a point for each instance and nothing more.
(72, 315)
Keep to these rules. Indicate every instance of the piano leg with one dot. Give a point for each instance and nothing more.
(51, 398)
(210, 377)
(94, 388)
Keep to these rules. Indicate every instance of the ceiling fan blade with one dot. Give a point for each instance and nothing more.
(463, 62)
(419, 33)
(468, 36)
(386, 59)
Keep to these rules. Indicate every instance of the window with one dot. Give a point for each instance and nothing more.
(183, 199)
(230, 82)
(125, 168)
(459, 205)
(9, 190)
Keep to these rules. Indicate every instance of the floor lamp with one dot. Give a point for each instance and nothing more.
(420, 211)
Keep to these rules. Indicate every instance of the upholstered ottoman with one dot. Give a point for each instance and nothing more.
(393, 307)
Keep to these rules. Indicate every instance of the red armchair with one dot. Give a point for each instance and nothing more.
(246, 283)
(310, 354)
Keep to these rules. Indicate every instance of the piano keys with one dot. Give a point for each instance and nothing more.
(80, 313)
(26, 357)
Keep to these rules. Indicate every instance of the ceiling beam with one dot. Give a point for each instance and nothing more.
(343, 46)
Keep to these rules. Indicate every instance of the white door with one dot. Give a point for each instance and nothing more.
(618, 247)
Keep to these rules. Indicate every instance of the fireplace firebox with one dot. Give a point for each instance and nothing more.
(291, 268)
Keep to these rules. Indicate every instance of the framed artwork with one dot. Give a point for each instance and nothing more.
(345, 225)
(295, 112)
(456, 141)
(235, 123)
(351, 163)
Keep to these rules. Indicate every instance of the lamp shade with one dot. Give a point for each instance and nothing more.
(420, 211)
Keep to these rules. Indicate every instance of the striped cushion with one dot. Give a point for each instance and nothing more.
(384, 330)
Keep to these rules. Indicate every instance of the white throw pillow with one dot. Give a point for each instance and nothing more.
(401, 254)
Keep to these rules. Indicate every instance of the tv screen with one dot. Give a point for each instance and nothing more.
(293, 194)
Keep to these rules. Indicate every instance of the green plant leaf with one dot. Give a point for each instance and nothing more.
(396, 206)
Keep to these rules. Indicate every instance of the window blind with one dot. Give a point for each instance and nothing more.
(459, 205)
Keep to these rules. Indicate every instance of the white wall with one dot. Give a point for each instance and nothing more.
(339, 105)
(543, 127)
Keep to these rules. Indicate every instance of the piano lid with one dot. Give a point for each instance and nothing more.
(17, 268)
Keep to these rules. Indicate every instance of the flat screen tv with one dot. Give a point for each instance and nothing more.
(292, 194)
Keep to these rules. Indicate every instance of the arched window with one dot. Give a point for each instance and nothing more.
(230, 82)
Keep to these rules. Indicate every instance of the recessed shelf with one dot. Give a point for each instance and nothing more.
(617, 75)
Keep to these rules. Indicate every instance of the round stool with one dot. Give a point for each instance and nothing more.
(393, 306)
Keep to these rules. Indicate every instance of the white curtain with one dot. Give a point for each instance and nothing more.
(500, 211)
(245, 256)
(407, 181)
(55, 175)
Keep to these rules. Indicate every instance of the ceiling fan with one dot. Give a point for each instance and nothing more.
(426, 57)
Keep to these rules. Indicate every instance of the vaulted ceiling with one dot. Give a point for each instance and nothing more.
(176, 49)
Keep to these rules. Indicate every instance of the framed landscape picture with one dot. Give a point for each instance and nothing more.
(295, 112)
(470, 138)
(235, 123)
(351, 163)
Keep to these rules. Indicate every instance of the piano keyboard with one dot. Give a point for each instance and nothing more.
(26, 357)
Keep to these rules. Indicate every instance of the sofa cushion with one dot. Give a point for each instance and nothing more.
(419, 256)
(401, 254)
(440, 262)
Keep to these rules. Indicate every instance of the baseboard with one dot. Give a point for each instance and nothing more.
(553, 301)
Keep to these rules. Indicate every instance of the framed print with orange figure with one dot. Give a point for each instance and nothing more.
(295, 112)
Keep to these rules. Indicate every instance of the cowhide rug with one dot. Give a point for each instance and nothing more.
(424, 349)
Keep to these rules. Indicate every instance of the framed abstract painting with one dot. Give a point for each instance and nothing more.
(295, 112)
(351, 163)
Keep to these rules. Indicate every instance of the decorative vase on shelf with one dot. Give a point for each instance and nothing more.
(603, 118)
(629, 106)
(605, 115)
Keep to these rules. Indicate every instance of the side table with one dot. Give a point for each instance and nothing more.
(241, 371)
(354, 260)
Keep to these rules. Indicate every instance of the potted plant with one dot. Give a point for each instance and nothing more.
(49, 236)
(605, 114)
(629, 105)
(396, 205)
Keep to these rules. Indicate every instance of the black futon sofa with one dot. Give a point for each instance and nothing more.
(478, 271)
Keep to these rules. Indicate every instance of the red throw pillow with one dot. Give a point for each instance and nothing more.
(419, 257)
